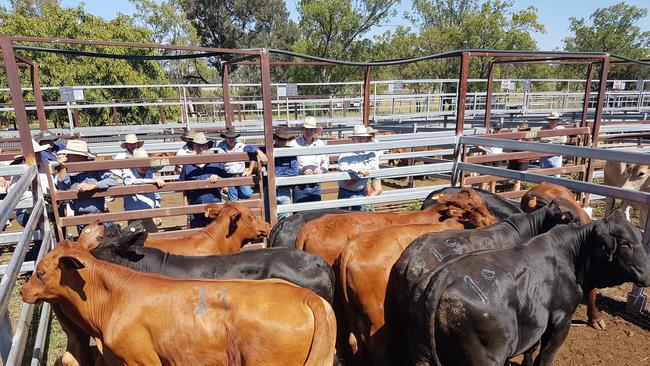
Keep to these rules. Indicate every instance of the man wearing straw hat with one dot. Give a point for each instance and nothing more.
(286, 166)
(359, 165)
(238, 168)
(211, 172)
(77, 151)
(143, 201)
(130, 143)
(309, 164)
(552, 161)
(49, 140)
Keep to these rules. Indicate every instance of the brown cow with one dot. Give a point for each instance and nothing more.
(144, 319)
(540, 196)
(234, 225)
(329, 234)
(364, 266)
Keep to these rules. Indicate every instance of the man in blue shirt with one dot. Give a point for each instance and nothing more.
(143, 201)
(238, 168)
(211, 172)
(49, 139)
(284, 167)
(77, 151)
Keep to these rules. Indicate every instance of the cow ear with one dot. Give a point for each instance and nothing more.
(232, 226)
(212, 210)
(67, 262)
(607, 240)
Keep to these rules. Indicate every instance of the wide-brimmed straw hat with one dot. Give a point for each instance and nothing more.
(46, 136)
(140, 153)
(282, 132)
(77, 147)
(553, 116)
(523, 126)
(37, 148)
(132, 139)
(310, 122)
(188, 136)
(200, 139)
(360, 131)
(230, 132)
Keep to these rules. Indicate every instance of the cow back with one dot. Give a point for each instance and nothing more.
(285, 231)
(500, 207)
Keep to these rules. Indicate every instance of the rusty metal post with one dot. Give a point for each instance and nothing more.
(116, 119)
(602, 90)
(488, 97)
(17, 99)
(462, 93)
(366, 96)
(585, 107)
(38, 97)
(267, 113)
(225, 86)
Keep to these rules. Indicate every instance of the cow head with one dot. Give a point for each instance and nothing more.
(128, 242)
(243, 222)
(638, 176)
(88, 238)
(466, 207)
(544, 193)
(617, 253)
(57, 275)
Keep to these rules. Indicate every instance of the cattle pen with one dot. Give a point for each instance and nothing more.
(435, 137)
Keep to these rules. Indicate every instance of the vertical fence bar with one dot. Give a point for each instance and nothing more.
(17, 99)
(267, 113)
(488, 96)
(585, 106)
(462, 93)
(38, 97)
(225, 86)
(366, 96)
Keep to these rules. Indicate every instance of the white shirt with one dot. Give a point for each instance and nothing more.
(235, 167)
(353, 162)
(554, 139)
(310, 161)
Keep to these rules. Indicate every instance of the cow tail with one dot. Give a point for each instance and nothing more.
(323, 341)
(431, 297)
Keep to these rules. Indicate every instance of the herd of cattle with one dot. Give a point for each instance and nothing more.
(471, 279)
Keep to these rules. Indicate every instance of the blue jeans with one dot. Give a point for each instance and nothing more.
(239, 193)
(344, 193)
(283, 197)
(306, 193)
(551, 162)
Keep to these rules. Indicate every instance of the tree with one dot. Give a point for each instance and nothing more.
(443, 13)
(168, 24)
(48, 19)
(615, 30)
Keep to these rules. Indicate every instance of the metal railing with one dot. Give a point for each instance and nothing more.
(13, 339)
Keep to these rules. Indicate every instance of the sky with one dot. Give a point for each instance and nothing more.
(554, 14)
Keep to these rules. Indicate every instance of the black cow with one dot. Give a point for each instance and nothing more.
(484, 307)
(429, 250)
(284, 233)
(296, 266)
(499, 206)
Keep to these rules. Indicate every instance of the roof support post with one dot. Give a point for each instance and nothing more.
(462, 93)
(17, 98)
(366, 96)
(225, 86)
(267, 113)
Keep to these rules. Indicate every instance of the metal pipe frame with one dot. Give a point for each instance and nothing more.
(462, 93)
(267, 115)
(227, 107)
(366, 96)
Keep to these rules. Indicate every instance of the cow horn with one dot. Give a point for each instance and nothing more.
(533, 202)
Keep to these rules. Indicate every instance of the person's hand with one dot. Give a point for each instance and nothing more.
(224, 190)
(157, 221)
(213, 178)
(247, 172)
(261, 156)
(62, 159)
(84, 187)
(317, 171)
(3, 182)
(307, 171)
(159, 182)
(363, 172)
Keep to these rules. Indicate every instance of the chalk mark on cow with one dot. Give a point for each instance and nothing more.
(470, 282)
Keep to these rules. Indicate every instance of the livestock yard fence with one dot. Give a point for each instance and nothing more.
(432, 131)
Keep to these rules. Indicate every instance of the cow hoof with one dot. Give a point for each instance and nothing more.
(598, 324)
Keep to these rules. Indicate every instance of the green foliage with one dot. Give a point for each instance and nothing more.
(51, 20)
(613, 29)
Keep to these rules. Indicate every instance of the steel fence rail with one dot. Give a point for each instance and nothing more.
(8, 204)
(406, 194)
(368, 146)
(555, 149)
(8, 281)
